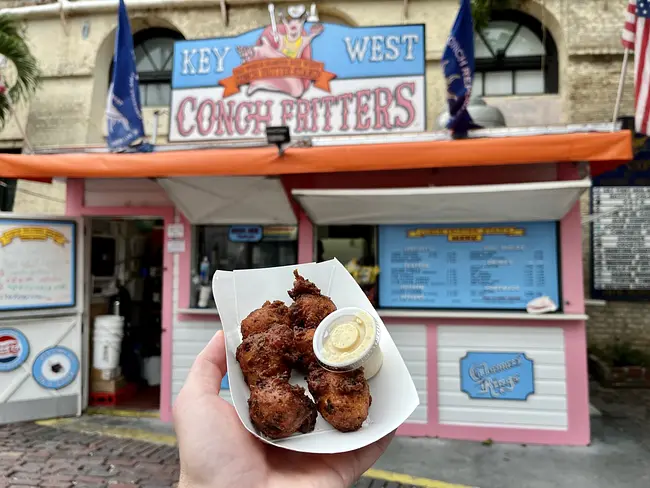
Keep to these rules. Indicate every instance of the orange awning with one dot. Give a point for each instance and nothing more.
(495, 151)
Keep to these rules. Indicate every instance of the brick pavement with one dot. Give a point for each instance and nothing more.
(32, 455)
(38, 456)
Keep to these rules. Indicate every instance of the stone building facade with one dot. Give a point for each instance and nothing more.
(581, 65)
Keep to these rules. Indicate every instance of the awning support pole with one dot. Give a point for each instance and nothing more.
(619, 93)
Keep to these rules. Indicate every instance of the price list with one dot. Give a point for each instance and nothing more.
(621, 242)
(487, 266)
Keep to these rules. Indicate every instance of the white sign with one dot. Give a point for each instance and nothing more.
(176, 246)
(37, 264)
(175, 231)
(315, 78)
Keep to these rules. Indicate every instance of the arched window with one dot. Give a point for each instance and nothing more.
(154, 51)
(515, 55)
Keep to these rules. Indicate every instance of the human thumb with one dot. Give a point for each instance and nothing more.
(209, 367)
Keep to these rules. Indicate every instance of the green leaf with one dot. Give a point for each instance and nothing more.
(482, 10)
(14, 47)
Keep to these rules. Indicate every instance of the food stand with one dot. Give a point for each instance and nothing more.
(466, 234)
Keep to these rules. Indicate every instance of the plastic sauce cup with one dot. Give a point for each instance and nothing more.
(348, 339)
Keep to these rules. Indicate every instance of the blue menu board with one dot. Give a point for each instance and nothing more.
(468, 266)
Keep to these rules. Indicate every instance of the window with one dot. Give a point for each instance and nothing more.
(154, 52)
(227, 248)
(515, 55)
(355, 246)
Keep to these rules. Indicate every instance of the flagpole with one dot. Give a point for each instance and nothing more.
(619, 93)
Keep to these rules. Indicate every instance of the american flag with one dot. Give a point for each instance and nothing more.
(636, 38)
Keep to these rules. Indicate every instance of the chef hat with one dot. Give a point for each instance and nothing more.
(296, 11)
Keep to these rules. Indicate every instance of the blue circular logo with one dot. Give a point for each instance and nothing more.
(14, 349)
(55, 368)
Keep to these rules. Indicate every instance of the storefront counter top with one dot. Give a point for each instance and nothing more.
(443, 314)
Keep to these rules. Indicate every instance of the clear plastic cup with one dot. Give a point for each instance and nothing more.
(348, 339)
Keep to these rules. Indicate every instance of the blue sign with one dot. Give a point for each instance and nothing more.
(245, 233)
(315, 78)
(55, 368)
(497, 375)
(225, 385)
(14, 349)
(499, 266)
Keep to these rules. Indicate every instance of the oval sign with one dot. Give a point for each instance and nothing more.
(55, 368)
(14, 349)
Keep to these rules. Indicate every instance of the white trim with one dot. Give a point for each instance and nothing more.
(595, 303)
(448, 190)
(442, 314)
(446, 314)
(197, 311)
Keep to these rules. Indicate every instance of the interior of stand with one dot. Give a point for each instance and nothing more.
(126, 258)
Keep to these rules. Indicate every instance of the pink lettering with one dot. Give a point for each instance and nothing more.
(362, 110)
(314, 115)
(202, 117)
(405, 103)
(286, 111)
(180, 116)
(303, 116)
(345, 99)
(382, 117)
(327, 103)
(242, 121)
(261, 120)
(225, 118)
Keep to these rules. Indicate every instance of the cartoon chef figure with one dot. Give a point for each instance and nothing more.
(288, 40)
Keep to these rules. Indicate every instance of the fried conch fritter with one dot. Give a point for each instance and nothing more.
(266, 355)
(343, 399)
(263, 318)
(278, 409)
(309, 306)
(303, 349)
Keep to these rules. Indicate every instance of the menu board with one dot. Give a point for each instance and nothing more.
(620, 238)
(468, 266)
(37, 264)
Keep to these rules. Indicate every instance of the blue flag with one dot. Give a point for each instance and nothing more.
(458, 66)
(123, 108)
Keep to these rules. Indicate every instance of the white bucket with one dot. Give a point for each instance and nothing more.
(107, 341)
(109, 323)
(106, 352)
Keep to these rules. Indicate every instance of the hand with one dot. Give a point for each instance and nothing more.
(217, 451)
(316, 30)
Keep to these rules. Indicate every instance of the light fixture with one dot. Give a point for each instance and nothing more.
(482, 114)
(313, 14)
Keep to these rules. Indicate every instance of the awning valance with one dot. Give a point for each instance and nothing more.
(338, 156)
(230, 200)
(521, 202)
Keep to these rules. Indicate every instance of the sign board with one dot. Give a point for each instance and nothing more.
(497, 375)
(245, 233)
(488, 266)
(14, 349)
(37, 264)
(620, 239)
(316, 79)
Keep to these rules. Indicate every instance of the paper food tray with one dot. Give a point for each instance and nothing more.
(394, 397)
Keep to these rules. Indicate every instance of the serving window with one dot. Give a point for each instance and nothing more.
(500, 266)
(355, 246)
(231, 247)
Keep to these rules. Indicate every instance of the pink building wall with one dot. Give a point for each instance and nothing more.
(578, 432)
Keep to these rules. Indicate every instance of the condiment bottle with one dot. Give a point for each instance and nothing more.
(348, 339)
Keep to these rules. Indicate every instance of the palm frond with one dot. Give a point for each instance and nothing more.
(14, 47)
